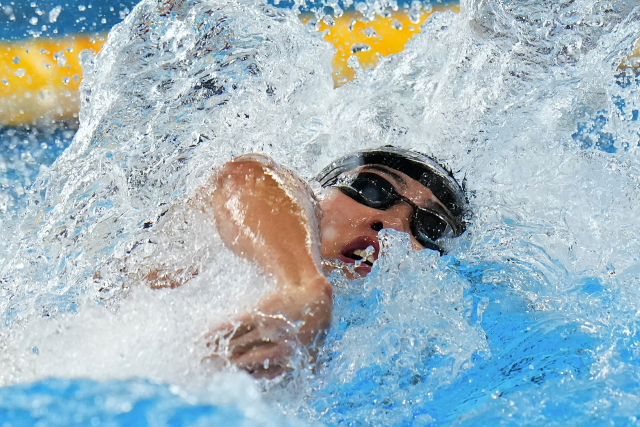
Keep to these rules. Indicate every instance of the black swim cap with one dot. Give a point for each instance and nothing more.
(416, 165)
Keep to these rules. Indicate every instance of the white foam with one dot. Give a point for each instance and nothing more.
(498, 93)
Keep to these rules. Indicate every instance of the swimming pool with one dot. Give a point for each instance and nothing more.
(530, 320)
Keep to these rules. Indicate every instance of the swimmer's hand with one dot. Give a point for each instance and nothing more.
(263, 342)
(267, 215)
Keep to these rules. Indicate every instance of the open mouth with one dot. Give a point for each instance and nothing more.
(362, 251)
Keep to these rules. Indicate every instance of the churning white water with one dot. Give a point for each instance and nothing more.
(530, 319)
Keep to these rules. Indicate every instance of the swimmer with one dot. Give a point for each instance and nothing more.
(269, 216)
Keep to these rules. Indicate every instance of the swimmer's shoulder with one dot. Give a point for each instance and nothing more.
(301, 192)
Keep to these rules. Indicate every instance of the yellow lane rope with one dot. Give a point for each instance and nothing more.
(39, 78)
(368, 41)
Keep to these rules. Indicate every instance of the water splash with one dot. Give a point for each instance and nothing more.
(533, 311)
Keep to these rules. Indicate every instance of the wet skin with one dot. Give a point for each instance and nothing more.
(347, 225)
(265, 214)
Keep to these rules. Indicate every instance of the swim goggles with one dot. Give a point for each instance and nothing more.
(372, 190)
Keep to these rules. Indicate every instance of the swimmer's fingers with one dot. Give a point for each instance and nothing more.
(266, 361)
(222, 335)
(243, 344)
(266, 330)
(259, 357)
(270, 373)
(255, 368)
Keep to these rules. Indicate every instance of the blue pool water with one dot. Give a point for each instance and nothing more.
(531, 319)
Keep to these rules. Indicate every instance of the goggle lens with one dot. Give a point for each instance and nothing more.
(374, 191)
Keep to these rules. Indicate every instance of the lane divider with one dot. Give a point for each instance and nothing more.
(368, 41)
(39, 78)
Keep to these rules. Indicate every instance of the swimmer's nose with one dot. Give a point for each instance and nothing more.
(397, 217)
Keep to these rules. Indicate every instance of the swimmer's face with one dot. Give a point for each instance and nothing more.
(349, 227)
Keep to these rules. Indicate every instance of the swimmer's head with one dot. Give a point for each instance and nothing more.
(387, 187)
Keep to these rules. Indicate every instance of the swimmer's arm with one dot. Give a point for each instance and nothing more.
(266, 215)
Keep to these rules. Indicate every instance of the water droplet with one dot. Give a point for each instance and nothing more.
(33, 20)
(19, 72)
(328, 19)
(415, 11)
(54, 13)
(60, 58)
(370, 32)
(360, 47)
(16, 60)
